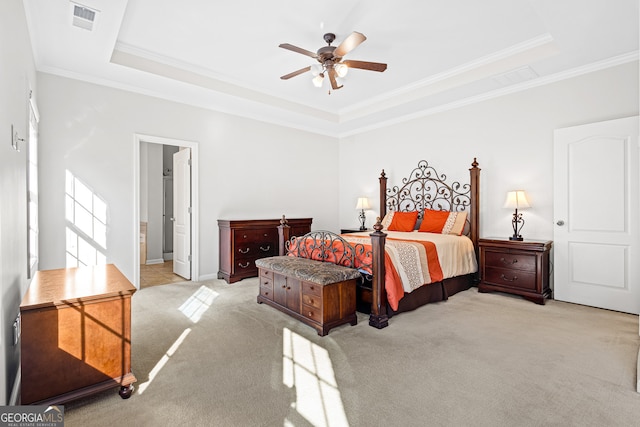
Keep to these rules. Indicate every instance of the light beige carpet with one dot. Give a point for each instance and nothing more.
(477, 359)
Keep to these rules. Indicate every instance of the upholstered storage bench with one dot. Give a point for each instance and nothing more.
(320, 294)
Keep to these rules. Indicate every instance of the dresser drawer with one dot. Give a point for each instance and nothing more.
(266, 283)
(311, 289)
(312, 300)
(252, 250)
(312, 313)
(510, 260)
(255, 236)
(510, 277)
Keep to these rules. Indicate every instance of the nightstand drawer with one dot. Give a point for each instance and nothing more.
(518, 261)
(510, 277)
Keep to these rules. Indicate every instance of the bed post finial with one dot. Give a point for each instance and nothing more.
(475, 163)
(383, 194)
(283, 236)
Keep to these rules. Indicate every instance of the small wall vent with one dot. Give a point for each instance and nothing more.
(83, 17)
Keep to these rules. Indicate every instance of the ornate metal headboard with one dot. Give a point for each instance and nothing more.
(425, 188)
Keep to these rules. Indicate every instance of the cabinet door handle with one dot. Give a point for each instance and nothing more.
(245, 265)
(265, 249)
(513, 279)
(246, 251)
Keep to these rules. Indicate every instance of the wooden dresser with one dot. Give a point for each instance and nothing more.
(76, 334)
(242, 242)
(515, 267)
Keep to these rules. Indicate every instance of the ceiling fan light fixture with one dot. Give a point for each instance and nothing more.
(316, 69)
(317, 80)
(341, 69)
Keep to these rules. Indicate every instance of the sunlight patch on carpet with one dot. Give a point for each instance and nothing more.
(307, 368)
(198, 303)
(163, 360)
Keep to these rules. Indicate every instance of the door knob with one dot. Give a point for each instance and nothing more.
(560, 223)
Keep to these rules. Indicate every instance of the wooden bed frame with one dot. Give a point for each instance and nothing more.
(424, 188)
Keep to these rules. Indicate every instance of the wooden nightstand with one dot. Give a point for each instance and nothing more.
(352, 230)
(515, 267)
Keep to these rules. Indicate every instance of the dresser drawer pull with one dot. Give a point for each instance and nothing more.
(245, 265)
(503, 277)
(310, 314)
(311, 301)
(504, 261)
(246, 251)
(265, 249)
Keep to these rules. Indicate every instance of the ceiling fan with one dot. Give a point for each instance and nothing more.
(331, 62)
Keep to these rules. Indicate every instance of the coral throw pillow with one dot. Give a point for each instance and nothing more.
(443, 222)
(403, 221)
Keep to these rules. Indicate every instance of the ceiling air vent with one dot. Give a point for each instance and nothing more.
(516, 76)
(83, 17)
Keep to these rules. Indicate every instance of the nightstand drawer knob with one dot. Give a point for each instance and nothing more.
(513, 279)
(504, 261)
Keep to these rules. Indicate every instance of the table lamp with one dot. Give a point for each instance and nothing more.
(516, 200)
(363, 203)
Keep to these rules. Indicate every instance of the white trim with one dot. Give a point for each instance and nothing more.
(154, 261)
(15, 390)
(195, 201)
(542, 81)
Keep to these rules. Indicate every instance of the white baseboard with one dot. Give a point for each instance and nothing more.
(155, 261)
(638, 373)
(167, 256)
(207, 277)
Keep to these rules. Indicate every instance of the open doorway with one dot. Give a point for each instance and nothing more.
(162, 187)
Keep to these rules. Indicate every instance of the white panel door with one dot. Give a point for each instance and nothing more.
(182, 213)
(597, 215)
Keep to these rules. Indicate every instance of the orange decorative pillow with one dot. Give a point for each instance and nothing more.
(443, 222)
(403, 221)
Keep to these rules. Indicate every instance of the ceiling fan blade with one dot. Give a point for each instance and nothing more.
(295, 73)
(364, 65)
(332, 79)
(298, 50)
(351, 42)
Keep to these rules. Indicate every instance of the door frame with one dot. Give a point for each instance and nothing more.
(195, 219)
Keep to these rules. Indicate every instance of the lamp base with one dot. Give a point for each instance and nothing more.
(519, 238)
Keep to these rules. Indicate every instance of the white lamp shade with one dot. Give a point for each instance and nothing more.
(317, 80)
(363, 203)
(341, 69)
(516, 200)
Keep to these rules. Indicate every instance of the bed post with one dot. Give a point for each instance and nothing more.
(283, 236)
(475, 206)
(383, 195)
(378, 317)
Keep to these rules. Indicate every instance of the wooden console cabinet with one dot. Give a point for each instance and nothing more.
(76, 334)
(242, 242)
(320, 306)
(516, 267)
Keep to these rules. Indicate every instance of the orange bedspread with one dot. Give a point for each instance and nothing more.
(412, 262)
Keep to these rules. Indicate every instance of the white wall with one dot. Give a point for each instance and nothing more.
(511, 136)
(248, 169)
(17, 75)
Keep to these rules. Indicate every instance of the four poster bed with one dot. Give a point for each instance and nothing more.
(424, 248)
